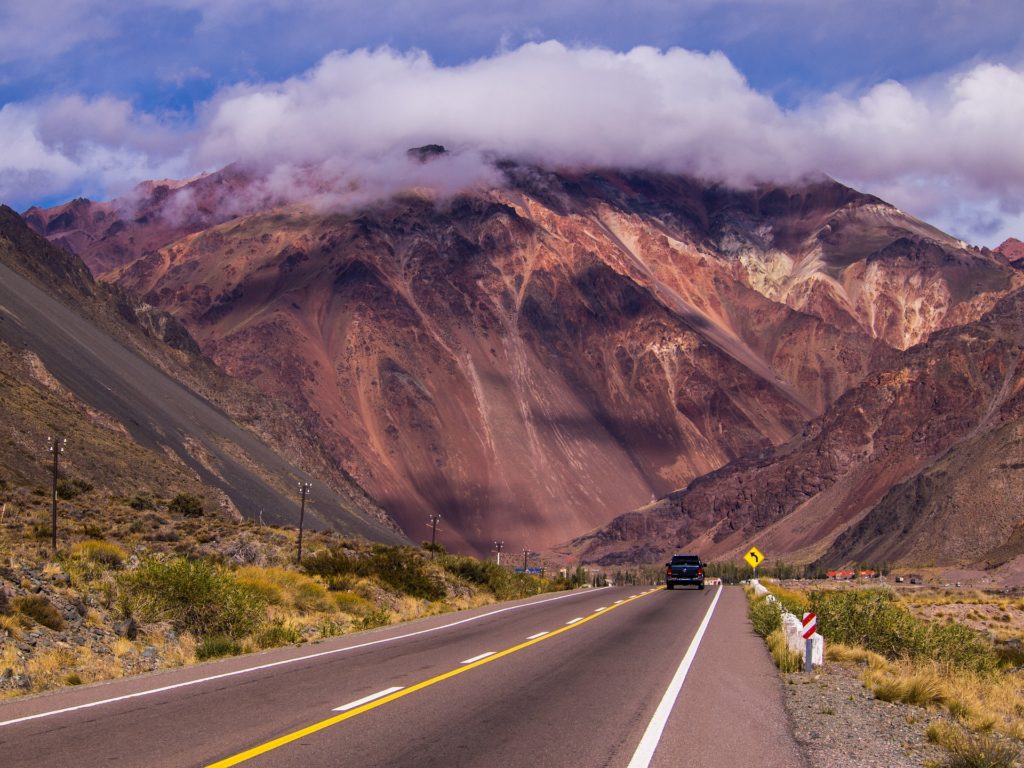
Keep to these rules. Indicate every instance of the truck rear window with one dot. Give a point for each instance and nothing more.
(685, 560)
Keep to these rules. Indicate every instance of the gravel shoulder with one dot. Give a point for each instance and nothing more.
(838, 722)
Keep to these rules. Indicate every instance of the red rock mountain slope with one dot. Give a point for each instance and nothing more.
(531, 360)
(1013, 250)
(925, 458)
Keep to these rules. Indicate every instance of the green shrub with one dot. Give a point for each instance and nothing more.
(979, 751)
(330, 564)
(276, 635)
(41, 531)
(195, 596)
(216, 646)
(765, 616)
(873, 619)
(40, 610)
(187, 505)
(379, 618)
(505, 584)
(94, 531)
(73, 679)
(401, 568)
(404, 570)
(142, 502)
(350, 602)
(69, 489)
(282, 586)
(793, 601)
(101, 552)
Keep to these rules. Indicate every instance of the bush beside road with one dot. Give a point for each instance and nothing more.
(926, 684)
(135, 590)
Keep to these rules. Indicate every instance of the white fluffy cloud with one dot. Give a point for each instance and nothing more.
(679, 110)
(948, 151)
(98, 147)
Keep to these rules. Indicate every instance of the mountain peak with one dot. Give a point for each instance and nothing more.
(1012, 249)
(427, 152)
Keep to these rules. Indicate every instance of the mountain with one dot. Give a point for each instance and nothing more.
(1013, 251)
(531, 360)
(119, 379)
(921, 462)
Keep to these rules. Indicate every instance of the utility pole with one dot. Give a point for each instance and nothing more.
(498, 546)
(57, 445)
(526, 555)
(433, 520)
(303, 491)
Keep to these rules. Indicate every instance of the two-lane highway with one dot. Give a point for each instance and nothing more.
(568, 679)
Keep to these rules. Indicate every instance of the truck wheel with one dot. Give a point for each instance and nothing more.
(670, 586)
(700, 586)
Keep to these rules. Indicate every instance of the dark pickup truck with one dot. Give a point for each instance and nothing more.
(684, 569)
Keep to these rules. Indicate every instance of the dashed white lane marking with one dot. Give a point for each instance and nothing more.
(632, 596)
(534, 637)
(477, 658)
(573, 621)
(284, 662)
(367, 699)
(598, 610)
(649, 742)
(617, 602)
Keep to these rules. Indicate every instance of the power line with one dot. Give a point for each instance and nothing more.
(303, 492)
(432, 521)
(56, 447)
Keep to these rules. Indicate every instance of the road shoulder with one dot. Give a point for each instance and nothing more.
(732, 709)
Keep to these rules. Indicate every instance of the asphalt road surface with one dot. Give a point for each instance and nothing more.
(606, 677)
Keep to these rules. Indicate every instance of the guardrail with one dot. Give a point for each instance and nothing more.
(793, 628)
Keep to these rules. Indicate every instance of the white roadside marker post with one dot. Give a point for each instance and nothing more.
(810, 624)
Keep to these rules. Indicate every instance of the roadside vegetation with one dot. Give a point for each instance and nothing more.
(156, 581)
(919, 658)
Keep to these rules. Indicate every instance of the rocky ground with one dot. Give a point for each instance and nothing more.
(838, 722)
(36, 657)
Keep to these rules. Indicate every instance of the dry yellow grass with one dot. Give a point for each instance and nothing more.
(177, 653)
(968, 750)
(853, 653)
(795, 600)
(11, 624)
(49, 667)
(122, 647)
(785, 659)
(979, 702)
(283, 587)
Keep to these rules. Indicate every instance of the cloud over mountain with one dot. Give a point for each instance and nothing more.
(946, 149)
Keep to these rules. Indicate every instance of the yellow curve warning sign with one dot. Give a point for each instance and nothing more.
(754, 557)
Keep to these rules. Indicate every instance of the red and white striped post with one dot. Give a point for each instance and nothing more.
(810, 626)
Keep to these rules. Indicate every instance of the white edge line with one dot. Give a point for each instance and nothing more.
(649, 741)
(534, 637)
(478, 658)
(573, 621)
(367, 699)
(283, 662)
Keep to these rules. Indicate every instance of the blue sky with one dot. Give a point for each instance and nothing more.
(920, 102)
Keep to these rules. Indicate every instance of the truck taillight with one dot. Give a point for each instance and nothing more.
(700, 571)
(668, 571)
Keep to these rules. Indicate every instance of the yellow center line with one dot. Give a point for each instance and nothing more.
(249, 754)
